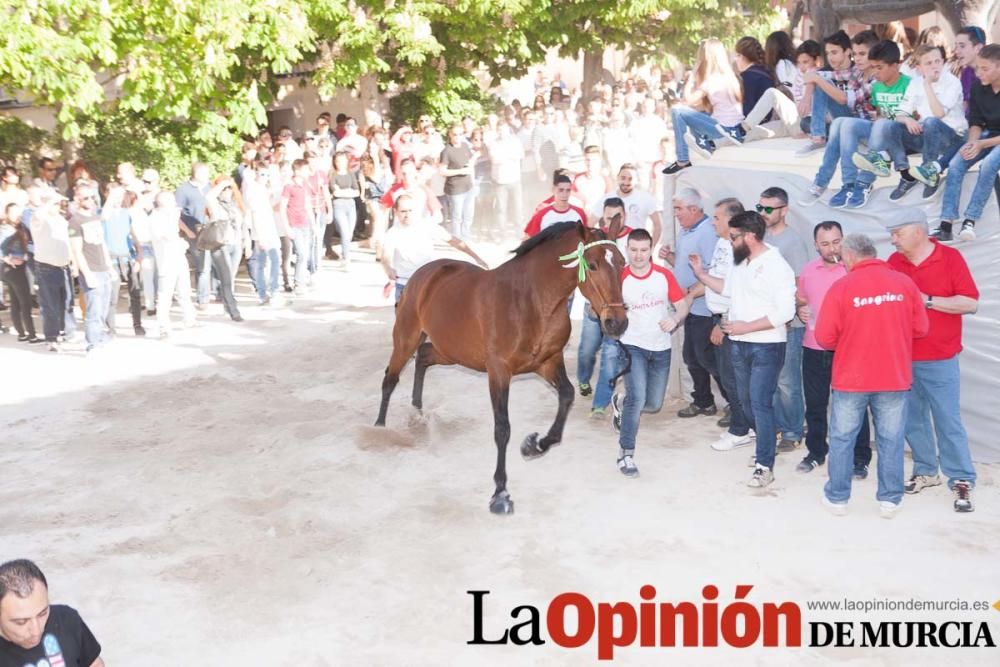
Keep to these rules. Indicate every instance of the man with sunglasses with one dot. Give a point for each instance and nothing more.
(48, 172)
(789, 405)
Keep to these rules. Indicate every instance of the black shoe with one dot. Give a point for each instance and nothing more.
(860, 471)
(23, 338)
(586, 389)
(34, 340)
(151, 313)
(808, 464)
(726, 419)
(676, 167)
(139, 330)
(288, 288)
(616, 412)
(901, 189)
(930, 191)
(694, 410)
(943, 233)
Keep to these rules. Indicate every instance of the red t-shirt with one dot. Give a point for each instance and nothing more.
(296, 195)
(548, 215)
(870, 317)
(943, 273)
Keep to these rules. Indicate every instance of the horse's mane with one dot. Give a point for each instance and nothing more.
(547, 234)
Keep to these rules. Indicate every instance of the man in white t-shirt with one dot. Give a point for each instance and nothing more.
(649, 291)
(640, 206)
(409, 244)
(761, 288)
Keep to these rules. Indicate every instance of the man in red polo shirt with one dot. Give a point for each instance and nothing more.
(560, 210)
(870, 318)
(948, 292)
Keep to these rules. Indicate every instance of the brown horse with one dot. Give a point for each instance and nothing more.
(508, 321)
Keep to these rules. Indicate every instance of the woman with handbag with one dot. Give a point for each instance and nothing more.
(14, 242)
(222, 237)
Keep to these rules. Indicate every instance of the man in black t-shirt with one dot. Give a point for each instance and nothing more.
(35, 634)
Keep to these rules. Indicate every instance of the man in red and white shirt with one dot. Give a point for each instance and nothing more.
(656, 307)
(560, 210)
(870, 318)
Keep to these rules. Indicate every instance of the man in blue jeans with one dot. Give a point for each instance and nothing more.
(648, 291)
(761, 288)
(949, 292)
(870, 318)
(592, 338)
(92, 260)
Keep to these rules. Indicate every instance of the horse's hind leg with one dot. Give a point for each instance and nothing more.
(554, 372)
(500, 503)
(405, 342)
(427, 355)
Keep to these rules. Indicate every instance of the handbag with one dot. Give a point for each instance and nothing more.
(212, 235)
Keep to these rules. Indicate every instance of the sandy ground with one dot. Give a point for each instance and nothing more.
(222, 499)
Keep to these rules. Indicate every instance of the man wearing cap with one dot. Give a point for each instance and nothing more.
(948, 292)
(870, 318)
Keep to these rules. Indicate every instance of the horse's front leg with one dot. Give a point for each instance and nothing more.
(552, 371)
(501, 502)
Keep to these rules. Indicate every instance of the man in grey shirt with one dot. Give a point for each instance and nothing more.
(789, 405)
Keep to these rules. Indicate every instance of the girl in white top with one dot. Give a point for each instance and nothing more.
(779, 56)
(711, 108)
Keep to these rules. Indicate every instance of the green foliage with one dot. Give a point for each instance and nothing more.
(21, 143)
(167, 146)
(459, 97)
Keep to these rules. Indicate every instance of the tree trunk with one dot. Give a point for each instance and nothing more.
(824, 18)
(980, 13)
(884, 11)
(593, 72)
(369, 97)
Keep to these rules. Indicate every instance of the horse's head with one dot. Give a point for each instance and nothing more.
(602, 284)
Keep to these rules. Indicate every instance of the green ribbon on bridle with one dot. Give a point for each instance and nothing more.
(577, 258)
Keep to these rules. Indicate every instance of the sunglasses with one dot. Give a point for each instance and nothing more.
(733, 237)
(768, 209)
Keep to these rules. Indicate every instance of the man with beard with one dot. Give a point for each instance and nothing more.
(761, 288)
(639, 204)
(817, 363)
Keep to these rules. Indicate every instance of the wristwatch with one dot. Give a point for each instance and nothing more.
(929, 302)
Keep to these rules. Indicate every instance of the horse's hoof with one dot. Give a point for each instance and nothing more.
(531, 448)
(502, 504)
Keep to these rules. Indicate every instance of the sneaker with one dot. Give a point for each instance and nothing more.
(585, 389)
(140, 331)
(266, 301)
(859, 196)
(597, 413)
(693, 410)
(238, 318)
(732, 136)
(808, 464)
(928, 174)
(860, 471)
(888, 510)
(839, 200)
(943, 233)
(761, 477)
(788, 445)
(918, 483)
(872, 161)
(963, 496)
(968, 232)
(728, 441)
(54, 346)
(836, 509)
(812, 195)
(23, 338)
(900, 191)
(616, 413)
(675, 167)
(626, 465)
(758, 133)
(35, 340)
(699, 145)
(151, 312)
(810, 148)
(929, 191)
(726, 419)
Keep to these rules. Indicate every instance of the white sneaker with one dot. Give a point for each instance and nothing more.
(888, 510)
(812, 195)
(729, 441)
(761, 477)
(810, 148)
(836, 509)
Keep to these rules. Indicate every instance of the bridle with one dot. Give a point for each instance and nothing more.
(577, 261)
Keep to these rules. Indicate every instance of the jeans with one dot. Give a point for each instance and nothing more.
(817, 372)
(789, 405)
(221, 259)
(645, 387)
(124, 269)
(96, 297)
(823, 104)
(893, 138)
(739, 424)
(319, 227)
(148, 276)
(700, 124)
(699, 357)
(345, 216)
(55, 298)
(302, 240)
(889, 414)
(757, 366)
(202, 261)
(935, 394)
(957, 169)
(16, 280)
(941, 143)
(593, 339)
(266, 281)
(846, 135)
(461, 207)
(399, 291)
(510, 206)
